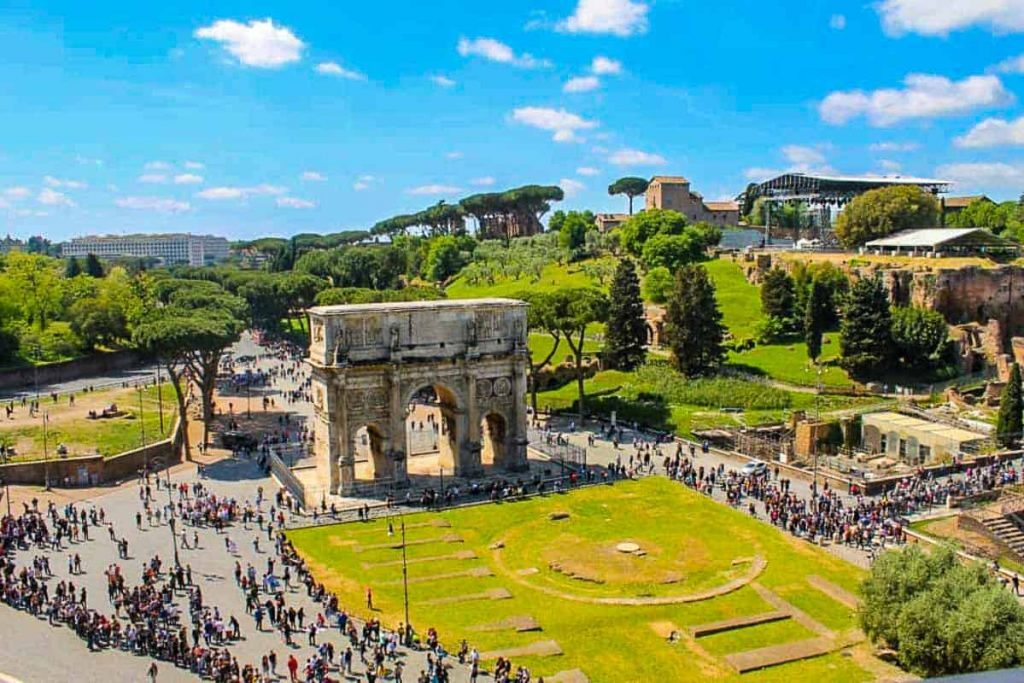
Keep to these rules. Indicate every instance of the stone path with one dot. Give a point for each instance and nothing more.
(713, 627)
(519, 623)
(837, 593)
(751, 660)
(493, 594)
(542, 648)
(461, 555)
(797, 615)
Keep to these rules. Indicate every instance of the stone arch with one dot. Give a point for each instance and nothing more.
(444, 430)
(494, 439)
(370, 449)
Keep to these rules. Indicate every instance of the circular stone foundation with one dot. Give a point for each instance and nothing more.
(628, 547)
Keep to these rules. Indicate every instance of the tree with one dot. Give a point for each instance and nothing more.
(816, 315)
(72, 268)
(920, 338)
(574, 309)
(777, 294)
(635, 232)
(942, 616)
(630, 186)
(93, 267)
(541, 317)
(693, 323)
(444, 259)
(671, 251)
(626, 332)
(880, 212)
(657, 285)
(37, 282)
(1010, 422)
(573, 229)
(865, 338)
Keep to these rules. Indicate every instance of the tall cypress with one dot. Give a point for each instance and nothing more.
(626, 331)
(1010, 422)
(693, 323)
(865, 337)
(815, 317)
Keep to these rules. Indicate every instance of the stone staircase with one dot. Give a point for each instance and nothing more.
(1007, 529)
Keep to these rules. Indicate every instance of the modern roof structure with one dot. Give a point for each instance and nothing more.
(839, 189)
(945, 431)
(944, 240)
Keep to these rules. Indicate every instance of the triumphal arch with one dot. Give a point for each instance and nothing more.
(371, 362)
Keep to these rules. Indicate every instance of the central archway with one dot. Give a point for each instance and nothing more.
(432, 430)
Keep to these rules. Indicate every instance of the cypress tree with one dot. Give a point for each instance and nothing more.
(777, 294)
(1010, 422)
(693, 323)
(815, 317)
(865, 337)
(93, 267)
(626, 332)
(72, 268)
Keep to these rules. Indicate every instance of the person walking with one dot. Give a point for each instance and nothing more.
(151, 674)
(293, 668)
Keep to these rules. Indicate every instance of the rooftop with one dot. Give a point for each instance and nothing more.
(936, 237)
(669, 179)
(722, 206)
(919, 425)
(415, 306)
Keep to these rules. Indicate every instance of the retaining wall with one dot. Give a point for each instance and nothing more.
(96, 364)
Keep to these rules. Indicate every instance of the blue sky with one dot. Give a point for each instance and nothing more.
(257, 118)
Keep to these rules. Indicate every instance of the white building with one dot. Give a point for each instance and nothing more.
(169, 248)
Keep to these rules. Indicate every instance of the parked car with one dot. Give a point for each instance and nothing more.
(754, 468)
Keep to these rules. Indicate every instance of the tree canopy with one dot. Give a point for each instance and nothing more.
(693, 323)
(631, 186)
(881, 212)
(626, 331)
(865, 338)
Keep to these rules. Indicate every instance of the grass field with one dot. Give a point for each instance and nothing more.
(739, 301)
(554, 276)
(559, 571)
(790, 363)
(540, 346)
(69, 425)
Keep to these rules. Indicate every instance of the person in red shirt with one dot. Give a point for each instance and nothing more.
(293, 667)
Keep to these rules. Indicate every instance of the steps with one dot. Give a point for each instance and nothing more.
(1007, 531)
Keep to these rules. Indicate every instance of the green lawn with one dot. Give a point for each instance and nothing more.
(554, 276)
(540, 346)
(691, 544)
(70, 426)
(790, 363)
(739, 301)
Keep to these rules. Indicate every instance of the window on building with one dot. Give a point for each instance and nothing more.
(924, 454)
(903, 449)
(883, 444)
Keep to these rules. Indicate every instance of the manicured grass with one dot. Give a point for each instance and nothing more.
(69, 425)
(739, 301)
(690, 543)
(540, 346)
(790, 363)
(554, 276)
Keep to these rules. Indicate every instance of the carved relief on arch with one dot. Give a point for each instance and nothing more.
(364, 332)
(493, 390)
(366, 401)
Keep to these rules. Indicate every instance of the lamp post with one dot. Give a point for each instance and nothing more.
(405, 587)
(159, 399)
(142, 417)
(46, 458)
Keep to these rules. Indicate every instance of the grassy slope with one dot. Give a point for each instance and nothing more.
(678, 527)
(739, 301)
(554, 276)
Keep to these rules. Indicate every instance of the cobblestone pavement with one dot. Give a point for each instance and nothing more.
(34, 651)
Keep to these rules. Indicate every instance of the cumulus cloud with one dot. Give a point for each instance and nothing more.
(803, 155)
(563, 124)
(485, 181)
(497, 51)
(157, 166)
(799, 159)
(621, 18)
(443, 81)
(924, 96)
(364, 182)
(188, 179)
(295, 203)
(51, 197)
(635, 157)
(261, 44)
(221, 193)
(588, 171)
(313, 176)
(155, 204)
(893, 146)
(993, 133)
(837, 22)
(17, 193)
(571, 187)
(890, 166)
(985, 175)
(582, 84)
(934, 18)
(603, 66)
(152, 178)
(335, 69)
(434, 189)
(50, 181)
(194, 166)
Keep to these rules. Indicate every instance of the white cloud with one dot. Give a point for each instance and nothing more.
(194, 166)
(485, 181)
(88, 161)
(219, 193)
(1013, 65)
(51, 197)
(603, 66)
(993, 133)
(799, 159)
(17, 193)
(497, 51)
(635, 157)
(157, 166)
(893, 146)
(618, 17)
(890, 166)
(50, 181)
(924, 96)
(157, 204)
(564, 124)
(991, 175)
(152, 178)
(261, 44)
(582, 84)
(802, 155)
(434, 189)
(571, 187)
(364, 182)
(588, 171)
(188, 179)
(443, 81)
(761, 173)
(941, 17)
(451, 156)
(295, 203)
(335, 69)
(313, 176)
(837, 22)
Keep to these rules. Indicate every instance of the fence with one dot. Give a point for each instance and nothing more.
(562, 453)
(283, 473)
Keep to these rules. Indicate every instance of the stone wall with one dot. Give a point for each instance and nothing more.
(95, 364)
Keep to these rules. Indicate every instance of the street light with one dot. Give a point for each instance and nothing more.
(405, 587)
(142, 417)
(159, 399)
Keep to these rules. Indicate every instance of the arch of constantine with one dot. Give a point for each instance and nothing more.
(372, 361)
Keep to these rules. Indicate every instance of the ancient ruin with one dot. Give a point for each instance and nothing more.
(371, 362)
